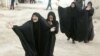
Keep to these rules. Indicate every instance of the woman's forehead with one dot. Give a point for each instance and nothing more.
(35, 15)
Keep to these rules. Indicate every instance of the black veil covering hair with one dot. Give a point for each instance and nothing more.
(79, 4)
(27, 37)
(55, 22)
(74, 4)
(90, 3)
(53, 14)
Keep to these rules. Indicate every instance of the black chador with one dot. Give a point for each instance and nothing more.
(34, 35)
(53, 23)
(90, 13)
(76, 24)
(68, 21)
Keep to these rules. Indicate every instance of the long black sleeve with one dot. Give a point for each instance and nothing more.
(56, 27)
(91, 12)
(23, 41)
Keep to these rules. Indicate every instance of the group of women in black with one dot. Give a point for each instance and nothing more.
(77, 23)
(38, 35)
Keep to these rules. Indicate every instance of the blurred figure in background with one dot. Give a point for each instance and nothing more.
(49, 5)
(12, 5)
(32, 1)
(68, 21)
(90, 10)
(79, 4)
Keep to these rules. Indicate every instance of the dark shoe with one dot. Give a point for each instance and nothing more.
(86, 41)
(73, 41)
(79, 41)
(68, 39)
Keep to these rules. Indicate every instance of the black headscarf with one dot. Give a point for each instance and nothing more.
(74, 4)
(53, 14)
(90, 3)
(36, 14)
(55, 22)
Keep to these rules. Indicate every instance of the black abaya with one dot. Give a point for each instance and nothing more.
(52, 34)
(68, 18)
(75, 23)
(90, 22)
(82, 26)
(34, 37)
(53, 38)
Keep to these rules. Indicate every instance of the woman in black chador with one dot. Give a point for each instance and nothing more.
(34, 35)
(68, 18)
(51, 19)
(90, 10)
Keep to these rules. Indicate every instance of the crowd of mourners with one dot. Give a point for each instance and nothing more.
(38, 36)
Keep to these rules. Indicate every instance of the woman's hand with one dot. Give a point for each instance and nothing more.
(10, 25)
(52, 29)
(88, 8)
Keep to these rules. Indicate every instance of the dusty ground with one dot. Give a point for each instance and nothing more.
(11, 46)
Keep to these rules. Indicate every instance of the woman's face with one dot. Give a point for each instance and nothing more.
(89, 5)
(72, 5)
(35, 18)
(51, 18)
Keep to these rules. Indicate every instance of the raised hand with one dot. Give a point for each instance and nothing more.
(10, 25)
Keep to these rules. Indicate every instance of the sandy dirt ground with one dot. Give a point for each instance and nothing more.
(11, 46)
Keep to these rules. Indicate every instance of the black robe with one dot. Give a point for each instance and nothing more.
(90, 24)
(52, 38)
(68, 17)
(74, 23)
(62, 16)
(82, 26)
(34, 45)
